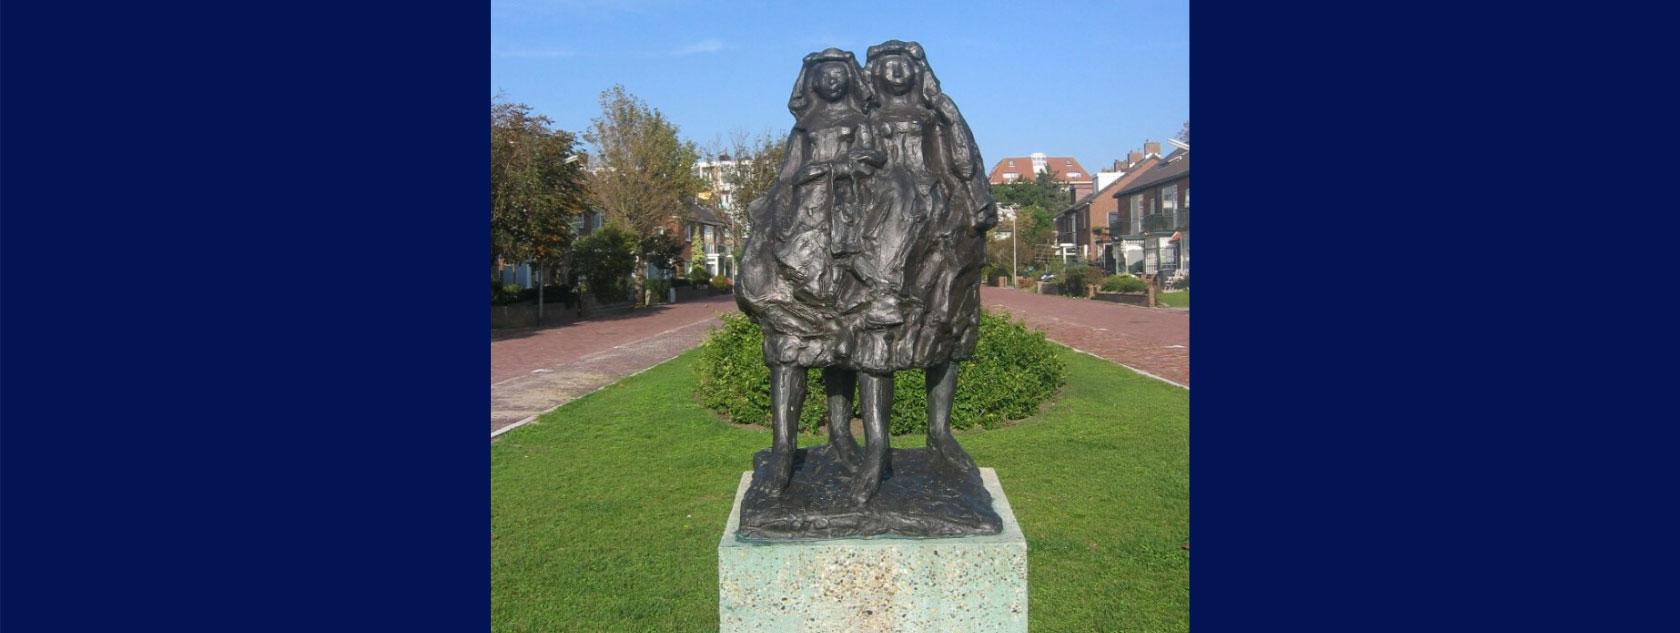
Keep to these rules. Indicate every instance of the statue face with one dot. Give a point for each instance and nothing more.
(830, 81)
(897, 74)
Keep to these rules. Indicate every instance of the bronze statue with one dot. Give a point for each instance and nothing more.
(864, 259)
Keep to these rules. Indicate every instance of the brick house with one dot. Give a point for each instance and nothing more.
(714, 237)
(1026, 168)
(1082, 229)
(1153, 219)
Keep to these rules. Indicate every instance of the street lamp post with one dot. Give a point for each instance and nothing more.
(1014, 247)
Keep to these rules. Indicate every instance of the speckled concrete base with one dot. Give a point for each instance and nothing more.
(971, 584)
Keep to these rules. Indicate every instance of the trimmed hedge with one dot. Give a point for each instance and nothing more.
(1013, 371)
(1123, 283)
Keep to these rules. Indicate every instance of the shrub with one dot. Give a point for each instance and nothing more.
(1013, 371)
(657, 289)
(1123, 283)
(698, 276)
(606, 258)
(721, 283)
(505, 294)
(1073, 278)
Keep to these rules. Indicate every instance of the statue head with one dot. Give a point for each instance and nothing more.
(831, 75)
(901, 68)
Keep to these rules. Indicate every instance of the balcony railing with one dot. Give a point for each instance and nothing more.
(1155, 223)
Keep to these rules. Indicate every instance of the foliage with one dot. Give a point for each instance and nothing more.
(658, 289)
(644, 171)
(721, 283)
(755, 163)
(504, 294)
(1074, 277)
(661, 249)
(537, 186)
(697, 274)
(1031, 249)
(1044, 192)
(606, 259)
(1013, 371)
(1123, 283)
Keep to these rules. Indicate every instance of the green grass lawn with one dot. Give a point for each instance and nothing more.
(606, 514)
(1175, 299)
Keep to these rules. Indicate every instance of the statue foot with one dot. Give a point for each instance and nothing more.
(777, 473)
(946, 450)
(845, 451)
(867, 480)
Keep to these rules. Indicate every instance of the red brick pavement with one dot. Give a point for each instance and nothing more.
(1152, 340)
(515, 353)
(536, 370)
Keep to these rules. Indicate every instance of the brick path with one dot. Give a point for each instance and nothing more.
(536, 369)
(1152, 340)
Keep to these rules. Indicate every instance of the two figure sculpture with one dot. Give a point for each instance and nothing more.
(864, 259)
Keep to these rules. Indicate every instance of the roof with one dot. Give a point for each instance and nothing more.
(704, 215)
(1058, 166)
(1176, 165)
(1143, 166)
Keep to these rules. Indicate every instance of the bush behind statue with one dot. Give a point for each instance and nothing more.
(1014, 369)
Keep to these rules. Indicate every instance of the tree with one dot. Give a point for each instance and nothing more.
(661, 250)
(606, 258)
(644, 175)
(755, 163)
(1184, 134)
(537, 186)
(1037, 202)
(1044, 191)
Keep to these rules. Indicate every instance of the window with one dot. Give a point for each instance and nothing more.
(1169, 203)
(1137, 214)
(1011, 177)
(1072, 175)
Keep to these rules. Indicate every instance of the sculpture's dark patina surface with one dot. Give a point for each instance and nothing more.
(864, 259)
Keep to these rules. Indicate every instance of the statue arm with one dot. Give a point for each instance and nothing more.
(963, 158)
(865, 151)
(793, 156)
(959, 141)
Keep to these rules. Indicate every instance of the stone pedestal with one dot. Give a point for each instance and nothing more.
(971, 584)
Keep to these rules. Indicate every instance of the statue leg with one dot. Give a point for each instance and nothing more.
(787, 397)
(840, 384)
(875, 393)
(941, 390)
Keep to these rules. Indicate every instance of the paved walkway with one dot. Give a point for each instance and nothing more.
(1151, 340)
(537, 369)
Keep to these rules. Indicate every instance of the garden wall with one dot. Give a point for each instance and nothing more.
(1129, 298)
(525, 314)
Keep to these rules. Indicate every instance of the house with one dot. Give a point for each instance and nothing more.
(1082, 229)
(710, 231)
(1025, 168)
(717, 174)
(1153, 222)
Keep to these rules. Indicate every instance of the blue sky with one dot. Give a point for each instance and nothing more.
(1090, 80)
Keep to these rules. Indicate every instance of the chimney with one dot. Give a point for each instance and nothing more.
(1133, 157)
(1152, 148)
